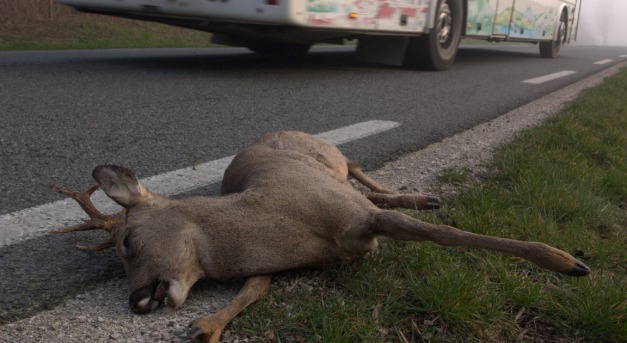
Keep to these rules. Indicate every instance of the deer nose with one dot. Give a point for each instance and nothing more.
(142, 300)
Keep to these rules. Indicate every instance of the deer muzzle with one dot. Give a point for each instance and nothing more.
(150, 297)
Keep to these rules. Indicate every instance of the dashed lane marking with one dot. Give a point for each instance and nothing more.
(549, 77)
(605, 61)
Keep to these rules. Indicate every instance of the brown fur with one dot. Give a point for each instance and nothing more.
(286, 203)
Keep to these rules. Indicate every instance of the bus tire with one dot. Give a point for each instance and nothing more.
(551, 48)
(437, 49)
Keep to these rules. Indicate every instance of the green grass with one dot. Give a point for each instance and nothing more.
(563, 183)
(454, 176)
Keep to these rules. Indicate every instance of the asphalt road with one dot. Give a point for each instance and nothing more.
(62, 113)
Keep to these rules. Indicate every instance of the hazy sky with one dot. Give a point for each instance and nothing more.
(603, 22)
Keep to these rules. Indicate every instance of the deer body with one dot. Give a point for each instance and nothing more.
(242, 235)
(286, 203)
(271, 218)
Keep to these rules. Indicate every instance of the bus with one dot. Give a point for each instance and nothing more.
(414, 33)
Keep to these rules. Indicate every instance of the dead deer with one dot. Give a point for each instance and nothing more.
(286, 203)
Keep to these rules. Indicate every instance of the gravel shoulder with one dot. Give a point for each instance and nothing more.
(103, 315)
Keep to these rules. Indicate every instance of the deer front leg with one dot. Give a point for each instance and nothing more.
(408, 201)
(355, 171)
(400, 226)
(208, 329)
(385, 197)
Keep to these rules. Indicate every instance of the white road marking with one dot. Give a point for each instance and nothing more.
(35, 221)
(622, 56)
(605, 61)
(550, 77)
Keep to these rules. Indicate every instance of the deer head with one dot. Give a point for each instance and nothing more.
(152, 237)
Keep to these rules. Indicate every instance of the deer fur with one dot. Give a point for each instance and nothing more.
(286, 203)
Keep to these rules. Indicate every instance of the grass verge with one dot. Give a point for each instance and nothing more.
(563, 183)
(85, 31)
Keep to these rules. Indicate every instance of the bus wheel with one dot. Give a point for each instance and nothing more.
(279, 49)
(437, 49)
(550, 49)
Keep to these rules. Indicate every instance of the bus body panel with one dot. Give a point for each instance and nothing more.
(518, 20)
(499, 19)
(369, 15)
(246, 11)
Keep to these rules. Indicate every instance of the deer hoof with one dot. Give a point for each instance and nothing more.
(194, 332)
(197, 335)
(206, 330)
(433, 203)
(580, 269)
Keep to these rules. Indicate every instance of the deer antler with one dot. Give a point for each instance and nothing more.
(97, 220)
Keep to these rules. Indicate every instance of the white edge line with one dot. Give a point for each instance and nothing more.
(549, 77)
(35, 221)
(605, 61)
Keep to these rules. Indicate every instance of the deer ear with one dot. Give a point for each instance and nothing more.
(120, 184)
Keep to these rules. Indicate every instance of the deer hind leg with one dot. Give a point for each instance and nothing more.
(402, 227)
(385, 197)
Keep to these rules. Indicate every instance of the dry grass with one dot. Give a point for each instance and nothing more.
(44, 24)
(40, 10)
(29, 19)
